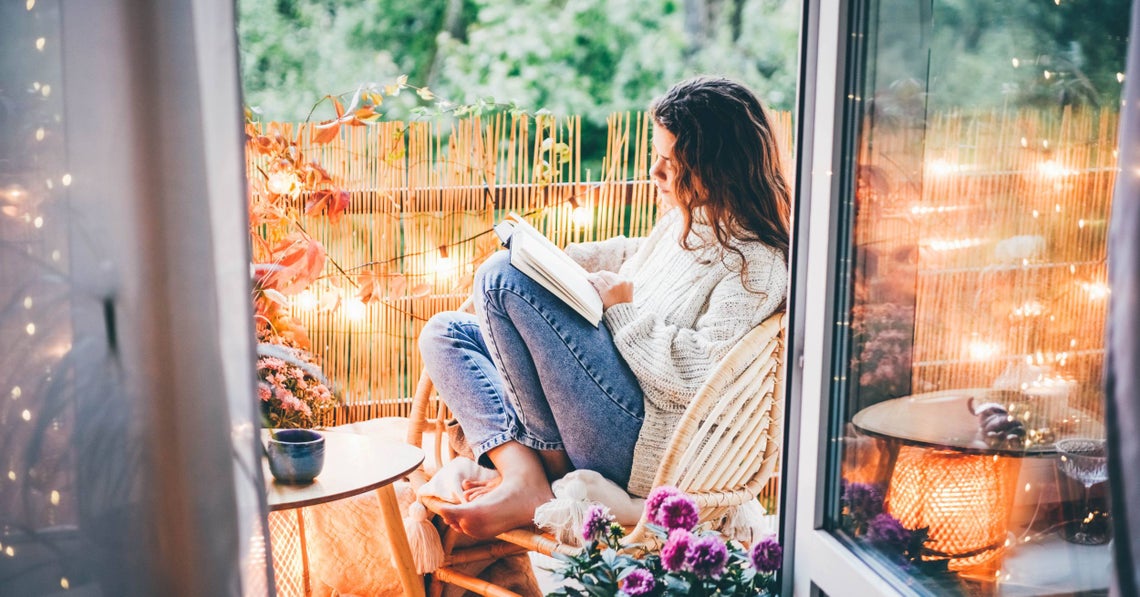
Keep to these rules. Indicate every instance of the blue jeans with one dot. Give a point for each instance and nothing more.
(528, 368)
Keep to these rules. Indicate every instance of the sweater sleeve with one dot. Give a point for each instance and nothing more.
(606, 255)
(676, 361)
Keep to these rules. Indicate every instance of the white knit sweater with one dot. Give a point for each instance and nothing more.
(689, 308)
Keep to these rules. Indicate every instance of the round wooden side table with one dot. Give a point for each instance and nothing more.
(354, 464)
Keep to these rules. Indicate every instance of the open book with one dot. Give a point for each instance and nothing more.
(542, 261)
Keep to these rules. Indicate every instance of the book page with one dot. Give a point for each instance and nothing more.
(537, 257)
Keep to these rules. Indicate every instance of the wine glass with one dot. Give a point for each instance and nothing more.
(1086, 461)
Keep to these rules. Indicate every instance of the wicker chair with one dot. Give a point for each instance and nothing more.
(724, 451)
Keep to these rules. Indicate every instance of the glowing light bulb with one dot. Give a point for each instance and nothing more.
(11, 475)
(306, 300)
(40, 43)
(1024, 142)
(54, 497)
(980, 350)
(30, 329)
(1097, 290)
(40, 134)
(26, 415)
(1052, 169)
(38, 222)
(1016, 63)
(1048, 75)
(283, 183)
(444, 264)
(66, 180)
(10, 552)
(1029, 309)
(942, 167)
(28, 302)
(63, 582)
(1057, 208)
(582, 217)
(354, 309)
(1036, 213)
(1119, 77)
(30, 4)
(1081, 223)
(46, 90)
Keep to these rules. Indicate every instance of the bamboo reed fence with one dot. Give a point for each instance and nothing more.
(424, 198)
(993, 228)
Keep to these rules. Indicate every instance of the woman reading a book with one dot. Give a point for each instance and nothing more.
(539, 391)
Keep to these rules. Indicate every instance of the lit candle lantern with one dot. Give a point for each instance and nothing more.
(964, 500)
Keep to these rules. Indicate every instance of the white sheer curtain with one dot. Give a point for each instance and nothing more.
(128, 462)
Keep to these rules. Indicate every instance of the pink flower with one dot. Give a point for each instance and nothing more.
(653, 502)
(707, 557)
(638, 582)
(263, 392)
(678, 512)
(767, 555)
(675, 549)
(597, 525)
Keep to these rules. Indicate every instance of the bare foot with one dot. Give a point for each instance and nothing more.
(473, 489)
(509, 505)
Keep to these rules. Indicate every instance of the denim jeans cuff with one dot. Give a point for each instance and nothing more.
(514, 434)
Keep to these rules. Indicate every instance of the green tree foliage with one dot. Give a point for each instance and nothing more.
(1037, 53)
(588, 57)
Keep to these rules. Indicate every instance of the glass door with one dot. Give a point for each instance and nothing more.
(951, 292)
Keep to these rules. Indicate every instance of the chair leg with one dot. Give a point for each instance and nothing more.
(471, 583)
(435, 586)
(412, 582)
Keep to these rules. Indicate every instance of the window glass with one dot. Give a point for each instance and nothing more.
(980, 156)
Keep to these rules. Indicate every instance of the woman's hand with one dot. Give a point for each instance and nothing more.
(612, 288)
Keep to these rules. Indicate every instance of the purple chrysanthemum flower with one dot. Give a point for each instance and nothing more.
(767, 555)
(675, 549)
(678, 512)
(638, 582)
(864, 501)
(885, 530)
(707, 557)
(597, 524)
(653, 502)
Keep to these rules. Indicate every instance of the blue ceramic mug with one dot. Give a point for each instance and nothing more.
(296, 455)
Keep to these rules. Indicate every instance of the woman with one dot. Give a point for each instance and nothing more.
(539, 391)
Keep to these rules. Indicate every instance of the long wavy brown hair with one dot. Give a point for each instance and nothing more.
(728, 163)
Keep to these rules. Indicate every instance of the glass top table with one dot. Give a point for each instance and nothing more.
(942, 420)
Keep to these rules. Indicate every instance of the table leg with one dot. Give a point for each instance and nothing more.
(305, 578)
(401, 554)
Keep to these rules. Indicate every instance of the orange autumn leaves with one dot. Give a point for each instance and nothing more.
(288, 184)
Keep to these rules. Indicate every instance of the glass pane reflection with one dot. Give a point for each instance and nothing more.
(981, 160)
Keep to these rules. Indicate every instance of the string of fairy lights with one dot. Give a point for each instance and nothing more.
(439, 263)
(25, 204)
